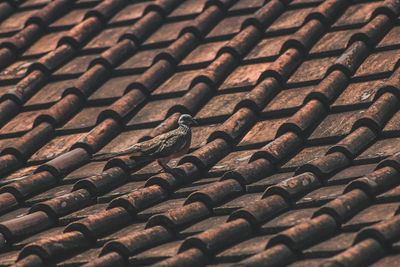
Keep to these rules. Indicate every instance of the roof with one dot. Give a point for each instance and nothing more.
(295, 160)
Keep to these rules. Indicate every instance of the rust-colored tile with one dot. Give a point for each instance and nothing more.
(76, 66)
(83, 213)
(34, 3)
(18, 174)
(121, 190)
(393, 125)
(232, 161)
(289, 219)
(335, 244)
(130, 12)
(42, 235)
(16, 21)
(124, 140)
(290, 99)
(220, 105)
(113, 88)
(388, 260)
(87, 170)
(107, 37)
(267, 48)
(289, 19)
(142, 59)
(153, 111)
(227, 26)
(245, 4)
(189, 7)
(203, 53)
(273, 179)
(167, 32)
(356, 14)
(307, 262)
(237, 203)
(14, 214)
(262, 132)
(9, 258)
(56, 147)
(4, 89)
(156, 253)
(82, 258)
(312, 70)
(372, 214)
(379, 62)
(45, 44)
(246, 248)
(186, 190)
(51, 193)
(336, 124)
(391, 38)
(358, 93)
(123, 232)
(351, 173)
(178, 82)
(86, 118)
(302, 2)
(333, 41)
(51, 92)
(16, 70)
(204, 225)
(391, 194)
(161, 207)
(381, 149)
(245, 75)
(22, 122)
(305, 155)
(201, 133)
(71, 18)
(322, 195)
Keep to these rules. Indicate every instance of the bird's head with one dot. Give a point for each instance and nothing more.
(187, 120)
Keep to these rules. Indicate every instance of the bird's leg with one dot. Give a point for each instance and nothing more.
(164, 164)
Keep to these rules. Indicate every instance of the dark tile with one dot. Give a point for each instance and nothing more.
(290, 19)
(130, 12)
(203, 53)
(382, 148)
(71, 18)
(379, 62)
(189, 7)
(305, 155)
(220, 105)
(266, 48)
(391, 38)
(333, 41)
(358, 93)
(312, 70)
(290, 99)
(336, 124)
(356, 14)
(245, 75)
(262, 132)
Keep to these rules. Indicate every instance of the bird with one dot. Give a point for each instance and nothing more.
(162, 148)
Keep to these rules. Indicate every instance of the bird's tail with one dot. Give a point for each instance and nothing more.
(132, 151)
(103, 156)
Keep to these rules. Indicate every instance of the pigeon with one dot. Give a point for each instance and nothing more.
(162, 148)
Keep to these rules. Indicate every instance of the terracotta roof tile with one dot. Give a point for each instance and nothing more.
(294, 116)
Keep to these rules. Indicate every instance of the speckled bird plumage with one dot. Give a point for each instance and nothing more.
(163, 147)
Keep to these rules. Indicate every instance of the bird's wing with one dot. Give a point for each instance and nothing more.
(163, 145)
